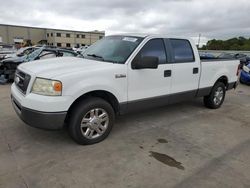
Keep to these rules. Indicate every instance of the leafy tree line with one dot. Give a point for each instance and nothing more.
(240, 43)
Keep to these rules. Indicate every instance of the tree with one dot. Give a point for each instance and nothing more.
(240, 43)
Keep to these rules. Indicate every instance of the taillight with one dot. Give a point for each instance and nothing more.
(238, 70)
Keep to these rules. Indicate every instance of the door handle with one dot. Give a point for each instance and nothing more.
(167, 73)
(195, 70)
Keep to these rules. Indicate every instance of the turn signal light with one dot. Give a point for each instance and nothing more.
(57, 86)
(238, 70)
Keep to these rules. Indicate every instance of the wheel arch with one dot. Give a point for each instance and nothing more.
(105, 95)
(223, 79)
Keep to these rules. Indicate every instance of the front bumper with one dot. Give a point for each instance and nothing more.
(43, 120)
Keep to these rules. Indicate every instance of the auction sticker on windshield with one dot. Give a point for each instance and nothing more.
(130, 39)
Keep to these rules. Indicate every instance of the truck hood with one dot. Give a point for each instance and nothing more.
(51, 68)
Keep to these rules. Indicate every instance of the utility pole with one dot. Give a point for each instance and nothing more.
(90, 39)
(199, 39)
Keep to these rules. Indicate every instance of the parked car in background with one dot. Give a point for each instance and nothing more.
(5, 46)
(206, 55)
(6, 49)
(81, 49)
(245, 74)
(226, 55)
(244, 61)
(4, 53)
(21, 52)
(8, 66)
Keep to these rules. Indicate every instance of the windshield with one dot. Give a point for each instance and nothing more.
(25, 51)
(34, 54)
(114, 49)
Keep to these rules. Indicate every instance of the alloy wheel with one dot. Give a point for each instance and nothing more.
(94, 123)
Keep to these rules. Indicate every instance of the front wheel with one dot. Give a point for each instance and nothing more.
(91, 121)
(216, 98)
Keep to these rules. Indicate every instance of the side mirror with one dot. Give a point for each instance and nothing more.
(146, 62)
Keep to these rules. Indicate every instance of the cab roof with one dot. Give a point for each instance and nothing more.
(145, 35)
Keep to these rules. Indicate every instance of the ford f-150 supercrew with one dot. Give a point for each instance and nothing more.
(117, 74)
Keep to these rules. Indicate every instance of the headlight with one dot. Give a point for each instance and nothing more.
(246, 69)
(47, 87)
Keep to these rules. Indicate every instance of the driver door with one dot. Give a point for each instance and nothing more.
(150, 87)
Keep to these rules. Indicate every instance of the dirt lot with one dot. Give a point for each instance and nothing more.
(182, 145)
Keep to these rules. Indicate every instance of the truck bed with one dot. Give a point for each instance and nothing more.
(214, 68)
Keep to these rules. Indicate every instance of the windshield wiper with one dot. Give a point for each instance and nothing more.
(96, 56)
(100, 57)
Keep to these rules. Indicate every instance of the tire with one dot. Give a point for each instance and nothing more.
(91, 121)
(241, 81)
(216, 97)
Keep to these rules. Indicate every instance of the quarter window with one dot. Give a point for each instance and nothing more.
(182, 50)
(154, 47)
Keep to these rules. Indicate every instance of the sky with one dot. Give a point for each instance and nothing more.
(220, 19)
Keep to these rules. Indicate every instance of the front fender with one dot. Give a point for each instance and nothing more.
(114, 86)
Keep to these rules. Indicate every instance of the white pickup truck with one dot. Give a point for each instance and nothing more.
(118, 74)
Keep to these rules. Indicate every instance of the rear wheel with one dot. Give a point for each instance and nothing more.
(216, 98)
(91, 121)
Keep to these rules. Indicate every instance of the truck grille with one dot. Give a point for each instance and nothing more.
(22, 81)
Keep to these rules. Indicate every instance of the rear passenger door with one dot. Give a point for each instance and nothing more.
(186, 70)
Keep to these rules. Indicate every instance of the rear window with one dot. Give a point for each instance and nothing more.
(182, 51)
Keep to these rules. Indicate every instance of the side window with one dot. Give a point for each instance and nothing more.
(43, 52)
(155, 47)
(47, 55)
(27, 51)
(182, 50)
(68, 54)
